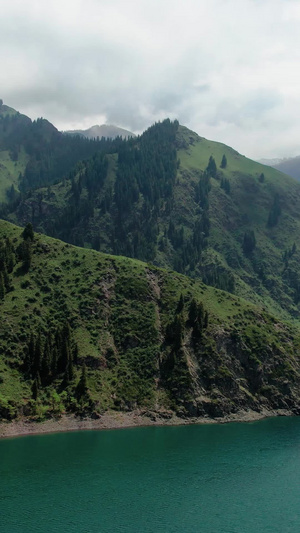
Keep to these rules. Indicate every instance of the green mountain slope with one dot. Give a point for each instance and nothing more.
(166, 197)
(85, 332)
(35, 153)
(12, 162)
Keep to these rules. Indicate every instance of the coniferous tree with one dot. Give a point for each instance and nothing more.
(25, 254)
(82, 386)
(2, 289)
(36, 386)
(29, 358)
(35, 389)
(75, 353)
(224, 162)
(205, 321)
(225, 184)
(211, 168)
(37, 357)
(10, 255)
(28, 233)
(274, 212)
(54, 360)
(180, 305)
(249, 242)
(46, 364)
(193, 311)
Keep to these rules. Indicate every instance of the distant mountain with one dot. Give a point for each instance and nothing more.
(6, 110)
(106, 130)
(35, 153)
(270, 162)
(289, 166)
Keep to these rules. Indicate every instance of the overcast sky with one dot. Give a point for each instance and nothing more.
(228, 69)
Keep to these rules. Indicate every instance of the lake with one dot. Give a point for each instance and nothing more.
(232, 478)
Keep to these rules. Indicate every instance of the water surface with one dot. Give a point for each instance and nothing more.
(234, 478)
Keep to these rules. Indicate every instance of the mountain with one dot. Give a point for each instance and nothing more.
(270, 162)
(179, 201)
(6, 110)
(105, 130)
(289, 165)
(84, 332)
(35, 153)
(12, 161)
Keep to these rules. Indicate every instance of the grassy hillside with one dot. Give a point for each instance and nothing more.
(85, 332)
(10, 171)
(263, 274)
(156, 199)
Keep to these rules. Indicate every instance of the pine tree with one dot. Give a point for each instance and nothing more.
(180, 305)
(82, 385)
(2, 289)
(75, 353)
(25, 254)
(36, 367)
(29, 358)
(225, 184)
(249, 242)
(193, 311)
(10, 255)
(211, 167)
(54, 361)
(46, 364)
(36, 386)
(28, 232)
(224, 162)
(205, 322)
(35, 389)
(274, 212)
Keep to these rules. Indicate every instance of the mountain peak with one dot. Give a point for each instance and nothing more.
(105, 130)
(6, 110)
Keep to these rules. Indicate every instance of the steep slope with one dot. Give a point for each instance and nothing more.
(12, 162)
(85, 332)
(180, 201)
(105, 130)
(257, 200)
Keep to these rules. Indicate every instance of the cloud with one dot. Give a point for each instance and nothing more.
(226, 68)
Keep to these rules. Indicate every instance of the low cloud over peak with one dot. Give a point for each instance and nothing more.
(227, 69)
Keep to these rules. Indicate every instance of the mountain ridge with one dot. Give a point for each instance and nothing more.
(104, 130)
(183, 217)
(193, 309)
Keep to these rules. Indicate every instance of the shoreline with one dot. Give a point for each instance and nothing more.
(122, 420)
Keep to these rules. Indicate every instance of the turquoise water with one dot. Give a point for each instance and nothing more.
(235, 478)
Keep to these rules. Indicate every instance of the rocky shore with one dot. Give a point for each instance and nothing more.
(118, 420)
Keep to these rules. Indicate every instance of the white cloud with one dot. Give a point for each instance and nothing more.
(226, 68)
